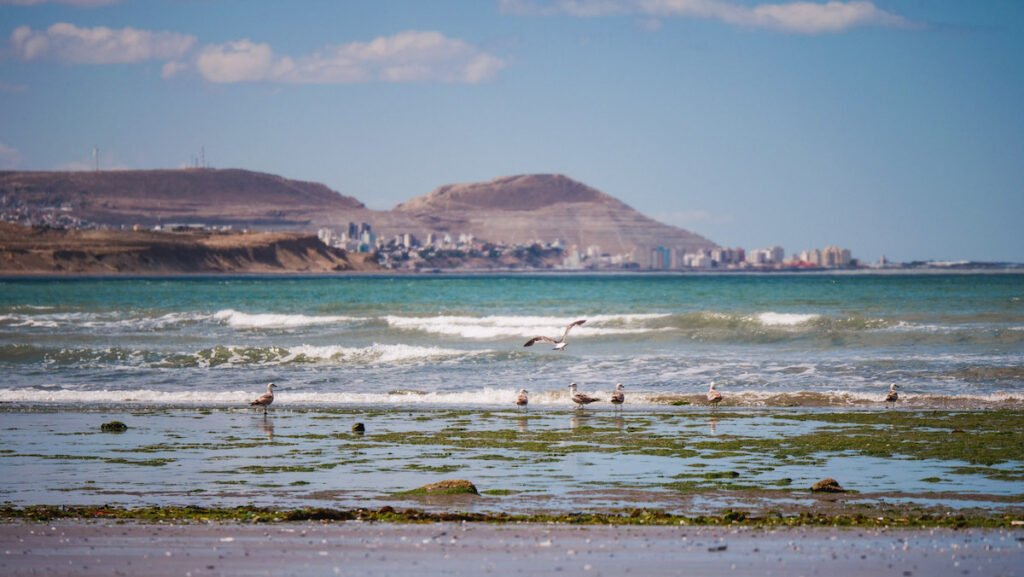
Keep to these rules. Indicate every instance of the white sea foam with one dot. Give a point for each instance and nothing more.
(773, 319)
(493, 327)
(395, 353)
(101, 320)
(240, 320)
(489, 396)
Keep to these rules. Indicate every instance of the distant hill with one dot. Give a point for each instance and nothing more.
(542, 207)
(147, 197)
(510, 210)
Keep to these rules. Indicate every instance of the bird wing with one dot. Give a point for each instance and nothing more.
(263, 399)
(530, 342)
(569, 328)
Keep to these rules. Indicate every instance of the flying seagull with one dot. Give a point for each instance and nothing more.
(618, 397)
(892, 396)
(560, 342)
(581, 399)
(265, 399)
(521, 400)
(714, 397)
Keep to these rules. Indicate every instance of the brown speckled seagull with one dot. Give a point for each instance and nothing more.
(522, 400)
(560, 343)
(265, 399)
(618, 397)
(714, 397)
(892, 396)
(581, 399)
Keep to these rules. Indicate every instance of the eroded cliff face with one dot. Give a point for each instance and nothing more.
(40, 251)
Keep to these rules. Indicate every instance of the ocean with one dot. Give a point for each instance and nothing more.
(947, 340)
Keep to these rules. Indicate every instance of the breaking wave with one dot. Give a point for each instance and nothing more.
(232, 356)
(240, 320)
(493, 327)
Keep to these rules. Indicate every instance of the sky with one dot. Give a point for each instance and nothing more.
(889, 127)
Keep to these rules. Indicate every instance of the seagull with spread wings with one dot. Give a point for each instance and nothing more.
(560, 343)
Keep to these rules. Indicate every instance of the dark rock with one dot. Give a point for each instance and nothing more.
(828, 485)
(114, 427)
(358, 428)
(448, 487)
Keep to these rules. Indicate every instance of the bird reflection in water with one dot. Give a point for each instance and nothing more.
(522, 424)
(620, 422)
(266, 424)
(713, 425)
(578, 418)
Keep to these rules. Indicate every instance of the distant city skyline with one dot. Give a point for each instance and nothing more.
(890, 127)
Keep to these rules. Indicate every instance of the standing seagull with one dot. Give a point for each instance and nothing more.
(714, 397)
(892, 396)
(265, 399)
(560, 342)
(521, 400)
(618, 397)
(581, 399)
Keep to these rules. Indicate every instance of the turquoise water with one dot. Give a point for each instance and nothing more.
(451, 340)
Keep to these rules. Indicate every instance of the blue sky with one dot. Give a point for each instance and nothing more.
(891, 127)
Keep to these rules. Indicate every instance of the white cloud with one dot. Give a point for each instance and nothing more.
(411, 56)
(798, 17)
(69, 43)
(82, 3)
(172, 69)
(9, 157)
(240, 61)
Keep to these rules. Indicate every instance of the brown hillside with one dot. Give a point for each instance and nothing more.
(518, 193)
(545, 207)
(237, 197)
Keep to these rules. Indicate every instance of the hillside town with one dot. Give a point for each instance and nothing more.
(442, 250)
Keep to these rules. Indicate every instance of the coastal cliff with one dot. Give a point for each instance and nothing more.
(25, 250)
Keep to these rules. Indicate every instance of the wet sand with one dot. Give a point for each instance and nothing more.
(86, 548)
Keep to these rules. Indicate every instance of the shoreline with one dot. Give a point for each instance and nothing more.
(459, 273)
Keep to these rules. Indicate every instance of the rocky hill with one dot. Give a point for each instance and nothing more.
(147, 197)
(543, 207)
(25, 250)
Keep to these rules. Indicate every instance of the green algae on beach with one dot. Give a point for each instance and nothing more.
(892, 518)
(681, 461)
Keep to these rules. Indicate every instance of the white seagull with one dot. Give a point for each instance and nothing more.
(892, 396)
(581, 399)
(714, 397)
(522, 400)
(265, 399)
(560, 343)
(618, 397)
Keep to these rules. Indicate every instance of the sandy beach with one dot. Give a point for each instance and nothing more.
(86, 548)
(360, 548)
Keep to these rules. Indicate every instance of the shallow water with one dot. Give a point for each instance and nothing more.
(544, 460)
